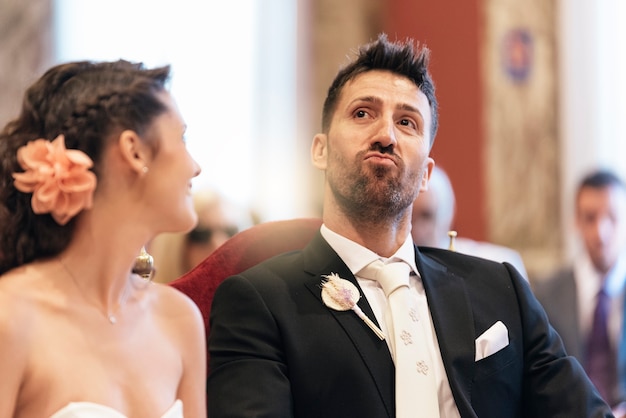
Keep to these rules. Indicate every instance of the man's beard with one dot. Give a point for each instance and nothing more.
(372, 195)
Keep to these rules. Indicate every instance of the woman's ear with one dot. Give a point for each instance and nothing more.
(319, 151)
(134, 151)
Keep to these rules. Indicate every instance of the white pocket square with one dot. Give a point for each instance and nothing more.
(492, 341)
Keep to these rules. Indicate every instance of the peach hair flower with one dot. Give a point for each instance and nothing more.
(58, 178)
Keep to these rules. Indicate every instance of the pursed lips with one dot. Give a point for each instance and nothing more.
(380, 158)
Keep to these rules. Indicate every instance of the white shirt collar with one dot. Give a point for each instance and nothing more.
(617, 277)
(356, 256)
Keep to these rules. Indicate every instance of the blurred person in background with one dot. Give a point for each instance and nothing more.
(433, 216)
(585, 300)
(218, 220)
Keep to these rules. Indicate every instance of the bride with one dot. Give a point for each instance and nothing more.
(92, 169)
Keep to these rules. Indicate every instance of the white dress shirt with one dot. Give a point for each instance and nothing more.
(356, 258)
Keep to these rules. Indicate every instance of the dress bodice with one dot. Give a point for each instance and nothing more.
(94, 410)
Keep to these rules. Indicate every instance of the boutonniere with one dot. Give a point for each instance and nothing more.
(342, 295)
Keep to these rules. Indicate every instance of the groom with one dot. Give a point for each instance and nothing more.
(280, 349)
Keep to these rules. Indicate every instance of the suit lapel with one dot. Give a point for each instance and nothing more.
(453, 321)
(319, 260)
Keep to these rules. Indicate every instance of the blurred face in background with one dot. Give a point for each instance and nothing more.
(433, 212)
(425, 229)
(601, 222)
(218, 221)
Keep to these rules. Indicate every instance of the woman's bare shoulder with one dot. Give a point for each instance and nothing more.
(30, 295)
(18, 293)
(173, 303)
(19, 301)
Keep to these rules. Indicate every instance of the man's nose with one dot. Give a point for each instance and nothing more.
(385, 132)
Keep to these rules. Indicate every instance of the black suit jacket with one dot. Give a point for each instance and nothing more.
(277, 351)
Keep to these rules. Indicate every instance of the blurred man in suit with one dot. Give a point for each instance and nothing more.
(585, 300)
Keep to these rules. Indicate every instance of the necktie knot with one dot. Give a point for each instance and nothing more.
(391, 276)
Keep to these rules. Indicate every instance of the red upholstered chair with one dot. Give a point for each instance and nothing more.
(242, 251)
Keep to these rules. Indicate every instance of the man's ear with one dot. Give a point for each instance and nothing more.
(134, 151)
(428, 169)
(319, 151)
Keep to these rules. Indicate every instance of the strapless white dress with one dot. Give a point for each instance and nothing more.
(94, 410)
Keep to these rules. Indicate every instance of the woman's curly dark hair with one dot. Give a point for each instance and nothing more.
(87, 102)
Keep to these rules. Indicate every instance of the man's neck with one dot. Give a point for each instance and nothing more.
(384, 238)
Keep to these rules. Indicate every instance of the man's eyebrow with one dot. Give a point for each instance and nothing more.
(377, 100)
(409, 108)
(370, 99)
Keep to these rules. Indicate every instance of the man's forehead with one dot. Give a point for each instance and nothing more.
(373, 79)
(592, 200)
(379, 87)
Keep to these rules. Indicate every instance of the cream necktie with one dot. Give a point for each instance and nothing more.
(416, 388)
